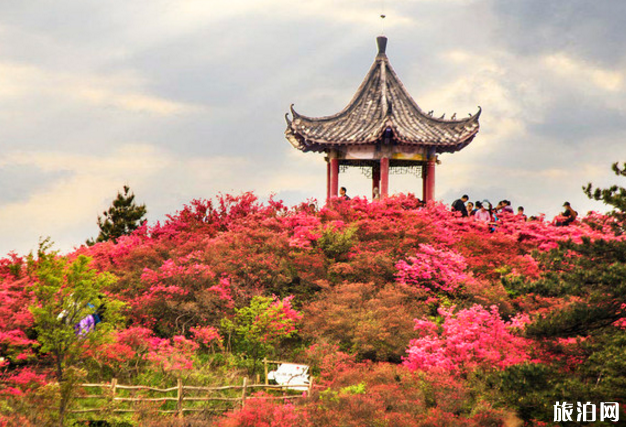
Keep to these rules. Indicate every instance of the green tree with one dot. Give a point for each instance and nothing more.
(123, 217)
(585, 333)
(614, 196)
(66, 292)
(258, 329)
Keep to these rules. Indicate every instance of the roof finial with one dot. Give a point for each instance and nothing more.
(381, 41)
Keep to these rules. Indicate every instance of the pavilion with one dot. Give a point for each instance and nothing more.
(382, 128)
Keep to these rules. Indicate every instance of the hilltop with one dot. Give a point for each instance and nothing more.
(407, 315)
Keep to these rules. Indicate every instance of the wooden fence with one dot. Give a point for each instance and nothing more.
(185, 393)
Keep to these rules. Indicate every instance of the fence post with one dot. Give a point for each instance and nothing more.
(243, 392)
(113, 387)
(179, 403)
(265, 363)
(310, 387)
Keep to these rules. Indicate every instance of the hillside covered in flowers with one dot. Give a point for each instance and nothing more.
(407, 315)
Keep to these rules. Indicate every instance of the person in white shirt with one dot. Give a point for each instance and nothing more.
(483, 214)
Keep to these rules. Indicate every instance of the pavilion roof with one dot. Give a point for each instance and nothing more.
(381, 108)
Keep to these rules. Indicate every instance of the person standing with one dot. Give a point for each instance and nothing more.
(459, 205)
(343, 194)
(483, 214)
(506, 207)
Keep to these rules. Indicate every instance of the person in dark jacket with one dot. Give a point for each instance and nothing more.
(568, 216)
(343, 194)
(459, 205)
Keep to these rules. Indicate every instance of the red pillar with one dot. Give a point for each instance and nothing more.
(424, 189)
(327, 180)
(384, 177)
(429, 180)
(375, 182)
(334, 177)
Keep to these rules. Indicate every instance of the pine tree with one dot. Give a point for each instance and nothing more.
(123, 217)
(614, 196)
(583, 333)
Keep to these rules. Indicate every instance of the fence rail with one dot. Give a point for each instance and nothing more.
(110, 390)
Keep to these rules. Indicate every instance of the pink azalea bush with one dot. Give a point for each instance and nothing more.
(470, 339)
(433, 270)
(172, 355)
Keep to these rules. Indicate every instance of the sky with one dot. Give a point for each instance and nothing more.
(185, 99)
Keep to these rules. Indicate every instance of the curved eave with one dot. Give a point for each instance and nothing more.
(403, 116)
(305, 144)
(432, 136)
(471, 119)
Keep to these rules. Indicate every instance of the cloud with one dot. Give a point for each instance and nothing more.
(66, 208)
(185, 99)
(582, 72)
(582, 29)
(123, 91)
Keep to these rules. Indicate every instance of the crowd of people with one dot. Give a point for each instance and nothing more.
(484, 211)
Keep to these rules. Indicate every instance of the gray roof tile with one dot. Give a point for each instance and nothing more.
(381, 102)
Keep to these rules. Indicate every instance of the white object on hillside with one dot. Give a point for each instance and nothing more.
(290, 373)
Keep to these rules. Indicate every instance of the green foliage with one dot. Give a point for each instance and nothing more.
(123, 217)
(65, 293)
(584, 332)
(351, 390)
(337, 243)
(255, 330)
(614, 196)
(590, 278)
(532, 388)
(529, 388)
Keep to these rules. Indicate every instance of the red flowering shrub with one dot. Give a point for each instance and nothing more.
(362, 394)
(16, 346)
(260, 412)
(21, 381)
(473, 338)
(328, 362)
(136, 349)
(433, 270)
(236, 280)
(361, 318)
(26, 398)
(207, 336)
(179, 293)
(175, 355)
(15, 317)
